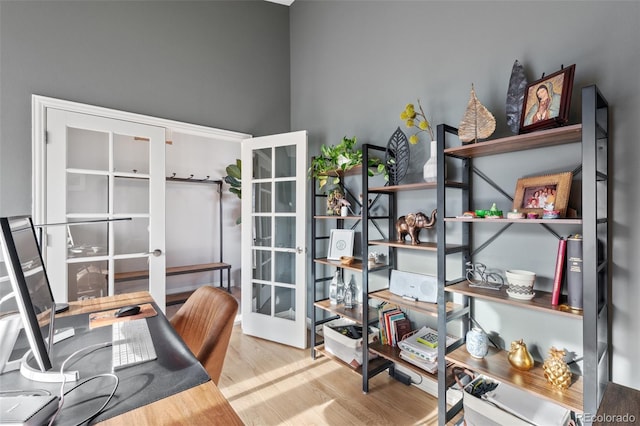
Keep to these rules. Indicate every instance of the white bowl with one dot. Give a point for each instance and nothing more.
(520, 277)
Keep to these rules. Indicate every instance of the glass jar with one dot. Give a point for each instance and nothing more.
(336, 289)
(350, 293)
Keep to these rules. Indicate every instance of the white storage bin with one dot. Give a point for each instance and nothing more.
(510, 406)
(344, 347)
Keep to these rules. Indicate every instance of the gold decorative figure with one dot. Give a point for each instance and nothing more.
(556, 369)
(519, 356)
(477, 122)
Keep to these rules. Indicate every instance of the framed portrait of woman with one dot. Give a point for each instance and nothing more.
(547, 101)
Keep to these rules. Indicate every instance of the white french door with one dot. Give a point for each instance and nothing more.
(108, 175)
(273, 238)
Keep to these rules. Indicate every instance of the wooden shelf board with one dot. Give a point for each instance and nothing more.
(405, 187)
(541, 301)
(393, 354)
(355, 170)
(551, 137)
(373, 363)
(327, 216)
(412, 187)
(354, 314)
(564, 221)
(422, 307)
(428, 246)
(173, 270)
(177, 298)
(355, 266)
(496, 365)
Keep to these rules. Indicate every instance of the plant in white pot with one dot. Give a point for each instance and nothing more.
(418, 119)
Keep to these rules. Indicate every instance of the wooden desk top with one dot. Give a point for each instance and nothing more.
(203, 404)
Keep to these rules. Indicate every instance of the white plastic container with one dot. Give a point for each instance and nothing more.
(344, 347)
(509, 405)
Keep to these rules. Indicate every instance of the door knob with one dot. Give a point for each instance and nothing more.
(156, 252)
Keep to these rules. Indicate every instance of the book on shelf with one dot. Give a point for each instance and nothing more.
(383, 310)
(402, 328)
(574, 271)
(425, 352)
(559, 272)
(391, 328)
(429, 339)
(429, 366)
(386, 316)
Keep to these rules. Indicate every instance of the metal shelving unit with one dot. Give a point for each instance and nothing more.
(585, 393)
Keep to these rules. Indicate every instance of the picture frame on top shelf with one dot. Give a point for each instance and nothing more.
(546, 101)
(340, 243)
(534, 193)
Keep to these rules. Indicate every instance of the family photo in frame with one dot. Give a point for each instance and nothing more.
(547, 101)
(535, 194)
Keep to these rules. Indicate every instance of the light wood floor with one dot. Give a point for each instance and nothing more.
(272, 384)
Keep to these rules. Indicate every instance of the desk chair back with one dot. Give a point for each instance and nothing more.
(205, 322)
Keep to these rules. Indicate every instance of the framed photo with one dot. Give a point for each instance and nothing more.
(341, 243)
(533, 194)
(546, 101)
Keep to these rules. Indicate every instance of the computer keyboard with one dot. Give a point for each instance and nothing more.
(131, 343)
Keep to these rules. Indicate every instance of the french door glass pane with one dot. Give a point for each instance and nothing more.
(87, 240)
(262, 163)
(87, 280)
(285, 264)
(87, 149)
(261, 299)
(129, 265)
(262, 269)
(262, 197)
(263, 231)
(130, 196)
(87, 193)
(286, 303)
(131, 236)
(285, 197)
(285, 236)
(286, 161)
(130, 155)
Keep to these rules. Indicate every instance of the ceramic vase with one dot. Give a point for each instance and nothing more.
(430, 169)
(477, 343)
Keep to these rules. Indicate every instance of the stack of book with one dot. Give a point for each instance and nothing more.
(421, 349)
(394, 324)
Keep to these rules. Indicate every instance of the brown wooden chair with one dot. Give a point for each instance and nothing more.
(205, 322)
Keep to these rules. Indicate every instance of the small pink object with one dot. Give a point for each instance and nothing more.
(532, 215)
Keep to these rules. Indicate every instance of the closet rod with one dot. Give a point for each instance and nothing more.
(193, 180)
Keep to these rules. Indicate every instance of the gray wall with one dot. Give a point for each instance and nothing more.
(222, 64)
(354, 65)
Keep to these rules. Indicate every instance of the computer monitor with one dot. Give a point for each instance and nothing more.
(28, 277)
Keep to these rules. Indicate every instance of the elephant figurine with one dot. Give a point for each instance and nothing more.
(412, 223)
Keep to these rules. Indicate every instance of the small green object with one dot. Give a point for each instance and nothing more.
(430, 339)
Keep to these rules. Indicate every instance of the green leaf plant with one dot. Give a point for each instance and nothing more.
(337, 159)
(234, 179)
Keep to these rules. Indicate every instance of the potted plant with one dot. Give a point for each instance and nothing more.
(234, 179)
(337, 159)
